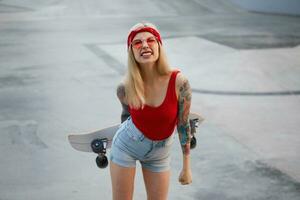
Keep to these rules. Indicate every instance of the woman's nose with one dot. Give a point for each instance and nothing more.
(144, 43)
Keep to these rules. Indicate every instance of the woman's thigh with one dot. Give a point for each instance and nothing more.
(122, 179)
(157, 184)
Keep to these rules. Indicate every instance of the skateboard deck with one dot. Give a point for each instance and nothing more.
(99, 140)
(82, 142)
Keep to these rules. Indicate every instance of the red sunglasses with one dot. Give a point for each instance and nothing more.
(137, 44)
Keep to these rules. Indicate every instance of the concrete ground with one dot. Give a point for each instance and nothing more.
(60, 62)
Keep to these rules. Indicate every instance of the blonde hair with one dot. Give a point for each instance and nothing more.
(133, 82)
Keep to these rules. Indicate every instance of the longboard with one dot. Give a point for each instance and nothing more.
(100, 140)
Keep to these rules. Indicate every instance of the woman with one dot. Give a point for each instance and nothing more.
(155, 99)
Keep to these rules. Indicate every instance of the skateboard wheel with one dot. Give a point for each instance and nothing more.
(193, 142)
(97, 146)
(102, 161)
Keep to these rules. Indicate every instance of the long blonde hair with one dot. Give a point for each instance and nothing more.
(133, 82)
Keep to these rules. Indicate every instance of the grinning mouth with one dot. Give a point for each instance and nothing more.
(146, 53)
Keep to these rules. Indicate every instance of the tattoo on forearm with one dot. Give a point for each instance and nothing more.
(125, 113)
(121, 95)
(183, 127)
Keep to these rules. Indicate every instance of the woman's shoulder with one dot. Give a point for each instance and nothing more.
(180, 79)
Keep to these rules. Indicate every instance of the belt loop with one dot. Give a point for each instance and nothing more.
(142, 137)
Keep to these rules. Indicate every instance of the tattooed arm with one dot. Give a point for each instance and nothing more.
(121, 95)
(183, 126)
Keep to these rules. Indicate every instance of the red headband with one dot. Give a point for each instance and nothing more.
(144, 29)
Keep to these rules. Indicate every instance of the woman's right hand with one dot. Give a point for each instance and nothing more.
(185, 176)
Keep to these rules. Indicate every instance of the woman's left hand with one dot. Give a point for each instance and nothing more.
(185, 176)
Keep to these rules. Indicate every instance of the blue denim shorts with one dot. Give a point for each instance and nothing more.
(129, 145)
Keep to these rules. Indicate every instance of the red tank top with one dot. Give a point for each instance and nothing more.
(158, 123)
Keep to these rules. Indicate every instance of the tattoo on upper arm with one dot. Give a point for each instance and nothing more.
(121, 95)
(183, 126)
(121, 92)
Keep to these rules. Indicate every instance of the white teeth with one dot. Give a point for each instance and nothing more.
(146, 54)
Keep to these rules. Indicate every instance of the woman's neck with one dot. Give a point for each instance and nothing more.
(148, 72)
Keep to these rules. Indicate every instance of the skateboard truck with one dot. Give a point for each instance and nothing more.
(99, 147)
(193, 125)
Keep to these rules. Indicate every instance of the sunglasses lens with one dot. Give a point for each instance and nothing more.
(137, 44)
(151, 41)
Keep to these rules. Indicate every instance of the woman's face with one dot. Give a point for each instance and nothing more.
(145, 48)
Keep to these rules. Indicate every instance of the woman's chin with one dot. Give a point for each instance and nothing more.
(145, 60)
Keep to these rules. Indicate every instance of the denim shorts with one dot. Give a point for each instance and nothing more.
(129, 145)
